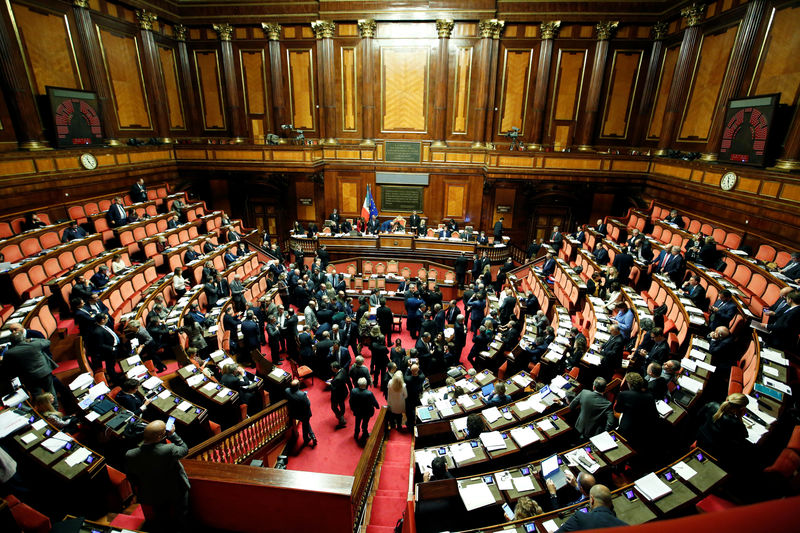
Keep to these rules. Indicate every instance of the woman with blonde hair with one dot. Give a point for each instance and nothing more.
(43, 404)
(396, 395)
(722, 432)
(526, 508)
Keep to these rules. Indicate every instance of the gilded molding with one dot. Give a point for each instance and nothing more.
(272, 30)
(180, 32)
(323, 29)
(444, 28)
(81, 3)
(491, 28)
(605, 29)
(693, 14)
(224, 31)
(660, 30)
(367, 28)
(550, 29)
(146, 19)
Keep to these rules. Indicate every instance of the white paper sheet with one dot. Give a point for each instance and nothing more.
(493, 441)
(603, 442)
(30, 437)
(81, 381)
(524, 436)
(545, 425)
(523, 483)
(550, 526)
(184, 406)
(692, 385)
(164, 394)
(652, 487)
(503, 480)
(91, 416)
(151, 383)
(476, 495)
(491, 414)
(77, 456)
(684, 470)
(462, 452)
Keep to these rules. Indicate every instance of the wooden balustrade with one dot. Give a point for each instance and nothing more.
(365, 470)
(239, 443)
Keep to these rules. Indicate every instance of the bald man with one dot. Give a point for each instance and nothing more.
(601, 514)
(155, 471)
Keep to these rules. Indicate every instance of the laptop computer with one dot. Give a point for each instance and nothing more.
(487, 389)
(551, 471)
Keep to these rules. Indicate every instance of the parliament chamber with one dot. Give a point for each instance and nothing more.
(571, 228)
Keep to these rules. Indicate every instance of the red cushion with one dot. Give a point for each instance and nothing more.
(28, 518)
(711, 504)
(786, 464)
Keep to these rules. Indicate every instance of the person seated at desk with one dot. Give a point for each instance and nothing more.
(722, 433)
(498, 398)
(43, 404)
(695, 292)
(482, 238)
(452, 226)
(656, 384)
(783, 331)
(372, 225)
(438, 470)
(32, 221)
(129, 397)
(614, 294)
(173, 223)
(675, 218)
(346, 226)
(190, 255)
(624, 319)
(146, 345)
(117, 264)
(235, 378)
(581, 485)
(601, 514)
(792, 269)
(580, 235)
(600, 254)
(385, 227)
(549, 266)
(526, 508)
(600, 227)
(229, 257)
(73, 232)
(297, 228)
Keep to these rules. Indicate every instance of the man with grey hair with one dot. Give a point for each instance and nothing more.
(27, 358)
(601, 513)
(596, 414)
(310, 313)
(363, 405)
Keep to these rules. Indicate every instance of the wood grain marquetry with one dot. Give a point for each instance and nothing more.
(50, 60)
(209, 84)
(349, 89)
(698, 115)
(779, 70)
(349, 195)
(169, 71)
(662, 92)
(568, 84)
(454, 200)
(517, 68)
(625, 70)
(302, 100)
(254, 81)
(124, 69)
(461, 89)
(404, 89)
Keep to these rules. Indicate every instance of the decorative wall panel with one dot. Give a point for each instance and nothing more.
(668, 63)
(404, 89)
(210, 86)
(124, 69)
(461, 89)
(169, 70)
(625, 68)
(779, 66)
(349, 89)
(302, 100)
(517, 67)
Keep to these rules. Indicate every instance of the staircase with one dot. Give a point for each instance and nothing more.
(389, 499)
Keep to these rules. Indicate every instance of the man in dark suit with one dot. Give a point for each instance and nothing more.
(229, 257)
(363, 405)
(611, 352)
(452, 313)
(300, 411)
(601, 227)
(549, 266)
(593, 284)
(675, 218)
(792, 269)
(251, 332)
(580, 235)
(656, 384)
(208, 247)
(104, 346)
(339, 392)
(236, 378)
(498, 230)
(100, 278)
(172, 223)
(784, 331)
(623, 262)
(157, 476)
(459, 337)
(384, 317)
(601, 514)
(116, 214)
(380, 358)
(670, 262)
(780, 306)
(720, 346)
(659, 352)
(533, 249)
(723, 310)
(601, 256)
(596, 414)
(73, 232)
(190, 255)
(29, 359)
(696, 293)
(274, 339)
(461, 269)
(413, 221)
(507, 306)
(138, 191)
(556, 239)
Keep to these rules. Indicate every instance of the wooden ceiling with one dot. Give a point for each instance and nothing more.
(251, 11)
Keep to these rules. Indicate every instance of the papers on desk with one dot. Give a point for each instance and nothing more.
(39, 425)
(772, 372)
(184, 406)
(755, 432)
(466, 401)
(504, 480)
(684, 470)
(98, 389)
(545, 425)
(523, 484)
(692, 385)
(91, 416)
(697, 319)
(460, 423)
(444, 407)
(277, 373)
(774, 356)
(752, 406)
(493, 441)
(30, 437)
(521, 380)
(136, 372)
(151, 383)
(663, 408)
(424, 458)
(524, 436)
(697, 354)
(164, 394)
(706, 366)
(689, 364)
(603, 442)
(592, 359)
(580, 458)
(652, 487)
(224, 392)
(424, 414)
(56, 442)
(15, 399)
(195, 380)
(78, 456)
(81, 381)
(491, 414)
(209, 386)
(134, 359)
(476, 495)
(700, 343)
(777, 385)
(462, 452)
(550, 526)
(532, 403)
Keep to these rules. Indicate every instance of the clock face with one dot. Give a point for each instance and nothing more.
(88, 161)
(728, 181)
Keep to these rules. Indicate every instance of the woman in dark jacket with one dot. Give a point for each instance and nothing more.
(722, 433)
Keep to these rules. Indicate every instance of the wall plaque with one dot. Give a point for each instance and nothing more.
(403, 152)
(401, 198)
(305, 201)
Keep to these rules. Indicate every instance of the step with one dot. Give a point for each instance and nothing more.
(386, 510)
(391, 493)
(380, 529)
(393, 477)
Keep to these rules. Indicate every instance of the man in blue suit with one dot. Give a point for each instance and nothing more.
(670, 262)
(600, 515)
(549, 266)
(251, 338)
(116, 214)
(413, 321)
(723, 310)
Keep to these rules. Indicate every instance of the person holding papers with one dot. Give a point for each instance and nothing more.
(438, 470)
(596, 414)
(129, 397)
(639, 416)
(581, 486)
(722, 433)
(601, 514)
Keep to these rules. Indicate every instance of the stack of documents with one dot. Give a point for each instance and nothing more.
(691, 385)
(524, 436)
(81, 381)
(151, 383)
(603, 442)
(444, 407)
(493, 441)
(492, 414)
(475, 495)
(652, 487)
(462, 452)
(663, 408)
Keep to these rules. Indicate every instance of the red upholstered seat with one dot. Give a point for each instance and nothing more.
(28, 519)
(712, 503)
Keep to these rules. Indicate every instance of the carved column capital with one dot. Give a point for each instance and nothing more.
(146, 19)
(693, 14)
(180, 32)
(367, 28)
(605, 29)
(550, 29)
(81, 3)
(491, 28)
(323, 29)
(272, 30)
(224, 31)
(660, 30)
(444, 28)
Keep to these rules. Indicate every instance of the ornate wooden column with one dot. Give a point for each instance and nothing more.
(491, 110)
(272, 30)
(585, 135)
(152, 71)
(233, 97)
(681, 77)
(740, 54)
(444, 28)
(96, 70)
(324, 30)
(642, 119)
(17, 90)
(367, 30)
(790, 160)
(185, 73)
(548, 30)
(489, 30)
